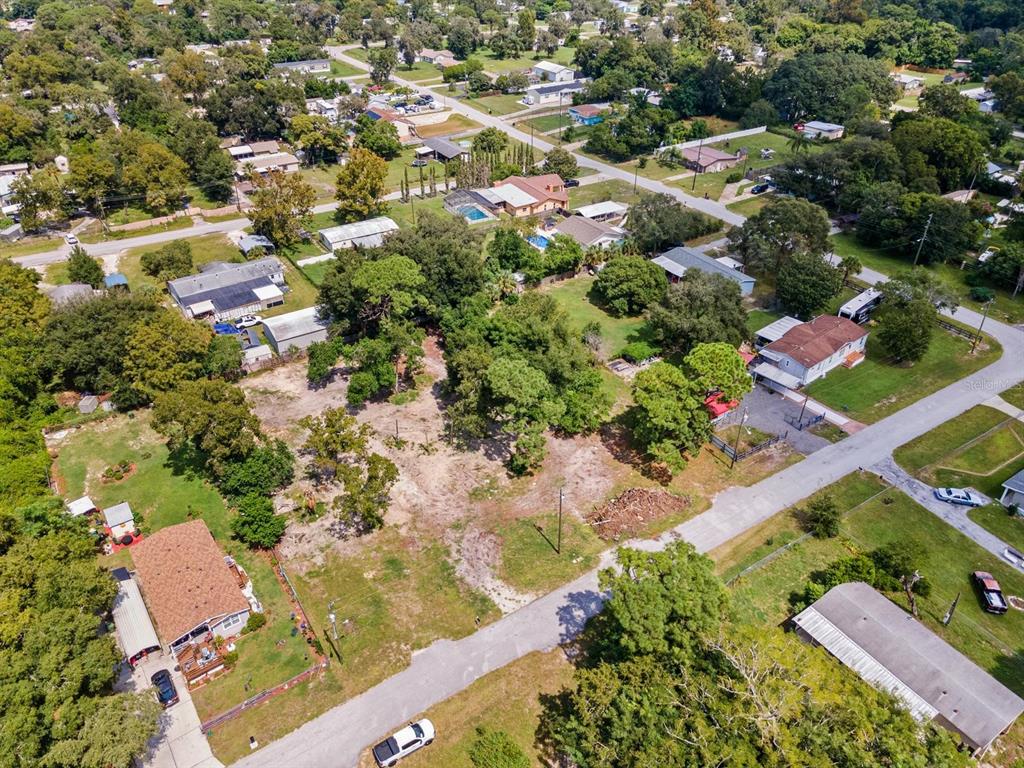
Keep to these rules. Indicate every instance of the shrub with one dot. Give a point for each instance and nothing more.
(362, 385)
(256, 524)
(821, 518)
(230, 659)
(256, 621)
(638, 351)
(734, 177)
(496, 749)
(982, 294)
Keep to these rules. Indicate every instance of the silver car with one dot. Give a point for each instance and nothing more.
(960, 496)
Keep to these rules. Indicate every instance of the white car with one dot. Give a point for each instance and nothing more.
(960, 496)
(248, 321)
(414, 736)
(70, 239)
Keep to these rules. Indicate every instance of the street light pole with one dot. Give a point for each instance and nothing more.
(924, 237)
(561, 494)
(696, 170)
(984, 316)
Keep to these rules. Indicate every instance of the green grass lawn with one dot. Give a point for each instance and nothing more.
(947, 560)
(323, 179)
(876, 388)
(613, 189)
(1014, 395)
(548, 122)
(501, 104)
(205, 249)
(576, 297)
(344, 69)
(997, 519)
(750, 206)
(182, 222)
(454, 124)
(198, 199)
(759, 318)
(162, 495)
(29, 246)
(496, 65)
(980, 448)
(529, 561)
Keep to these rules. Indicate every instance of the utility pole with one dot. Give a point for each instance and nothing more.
(636, 173)
(920, 243)
(739, 431)
(800, 420)
(700, 146)
(984, 316)
(331, 617)
(952, 608)
(561, 494)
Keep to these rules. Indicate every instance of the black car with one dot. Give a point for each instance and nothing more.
(166, 693)
(572, 182)
(760, 189)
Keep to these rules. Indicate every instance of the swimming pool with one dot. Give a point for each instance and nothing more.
(539, 240)
(472, 213)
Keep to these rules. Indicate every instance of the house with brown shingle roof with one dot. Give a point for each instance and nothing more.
(192, 589)
(810, 350)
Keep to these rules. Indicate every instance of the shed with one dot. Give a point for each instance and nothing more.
(893, 651)
(295, 329)
(250, 242)
(609, 209)
(135, 633)
(366, 234)
(445, 150)
(677, 260)
(119, 519)
(82, 506)
(64, 294)
(115, 280)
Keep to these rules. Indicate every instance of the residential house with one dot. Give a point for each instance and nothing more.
(13, 169)
(589, 233)
(402, 124)
(907, 82)
(703, 159)
(193, 590)
(443, 58)
(896, 653)
(21, 26)
(443, 150)
(816, 129)
(1013, 491)
(678, 260)
(651, 97)
(522, 196)
(166, 6)
(250, 243)
(134, 629)
(65, 294)
(956, 78)
(364, 234)
(553, 93)
(7, 190)
(223, 291)
(549, 72)
(808, 351)
(324, 107)
(587, 114)
(296, 330)
(607, 210)
(775, 330)
(264, 164)
(307, 67)
(119, 520)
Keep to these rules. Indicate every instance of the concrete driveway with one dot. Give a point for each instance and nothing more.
(768, 411)
(180, 743)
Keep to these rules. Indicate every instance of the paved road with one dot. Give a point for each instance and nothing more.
(335, 739)
(710, 207)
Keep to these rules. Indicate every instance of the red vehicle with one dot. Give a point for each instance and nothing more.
(992, 599)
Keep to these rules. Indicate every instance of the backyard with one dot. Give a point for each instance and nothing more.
(878, 387)
(601, 191)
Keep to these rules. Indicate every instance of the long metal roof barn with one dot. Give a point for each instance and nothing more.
(135, 632)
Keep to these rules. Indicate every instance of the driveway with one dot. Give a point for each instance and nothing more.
(768, 411)
(180, 742)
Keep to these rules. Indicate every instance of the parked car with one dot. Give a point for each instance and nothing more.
(70, 239)
(248, 321)
(572, 182)
(414, 736)
(166, 693)
(991, 594)
(759, 189)
(961, 496)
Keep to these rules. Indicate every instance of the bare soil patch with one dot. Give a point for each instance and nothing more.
(634, 510)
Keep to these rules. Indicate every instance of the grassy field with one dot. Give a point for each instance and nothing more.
(889, 262)
(998, 520)
(613, 189)
(876, 388)
(1014, 395)
(205, 249)
(344, 69)
(502, 104)
(759, 318)
(981, 449)
(506, 700)
(28, 246)
(496, 65)
(161, 495)
(947, 559)
(454, 124)
(577, 298)
(529, 561)
(100, 236)
(750, 206)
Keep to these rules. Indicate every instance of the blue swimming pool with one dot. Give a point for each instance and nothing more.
(539, 240)
(472, 213)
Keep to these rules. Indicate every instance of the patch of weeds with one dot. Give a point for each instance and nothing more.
(485, 492)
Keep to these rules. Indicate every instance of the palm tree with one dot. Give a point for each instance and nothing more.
(850, 265)
(800, 143)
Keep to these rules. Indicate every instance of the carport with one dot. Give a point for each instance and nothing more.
(135, 632)
(774, 377)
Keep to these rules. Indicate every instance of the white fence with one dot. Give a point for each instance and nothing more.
(714, 139)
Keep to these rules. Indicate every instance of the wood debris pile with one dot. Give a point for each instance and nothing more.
(631, 511)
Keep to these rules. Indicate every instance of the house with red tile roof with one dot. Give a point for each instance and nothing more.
(528, 195)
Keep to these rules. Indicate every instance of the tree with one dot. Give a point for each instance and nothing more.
(953, 151)
(851, 266)
(42, 199)
(281, 206)
(1009, 91)
(83, 268)
(266, 469)
(718, 367)
(783, 227)
(153, 170)
(630, 284)
(810, 85)
(388, 288)
(378, 136)
(506, 45)
(210, 417)
(905, 329)
(337, 297)
(822, 517)
(945, 100)
(490, 141)
(114, 734)
(806, 283)
(496, 749)
(382, 63)
(172, 261)
(322, 357)
(463, 36)
(162, 352)
(659, 221)
(315, 135)
(360, 187)
(699, 308)
(561, 162)
(367, 491)
(669, 418)
(525, 403)
(255, 523)
(526, 29)
(662, 603)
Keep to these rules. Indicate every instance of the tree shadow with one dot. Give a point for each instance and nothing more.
(578, 610)
(617, 439)
(1009, 670)
(187, 461)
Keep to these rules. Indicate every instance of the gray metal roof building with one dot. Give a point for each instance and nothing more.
(444, 149)
(135, 632)
(677, 260)
(365, 234)
(893, 651)
(227, 290)
(295, 329)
